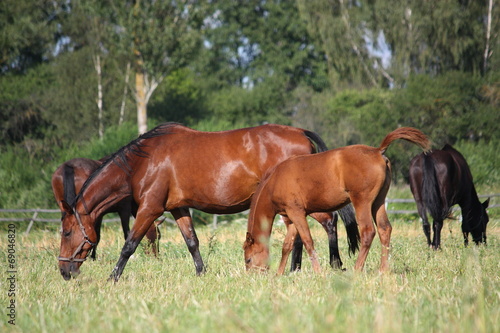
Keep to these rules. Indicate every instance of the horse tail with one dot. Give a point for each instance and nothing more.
(315, 138)
(430, 191)
(410, 134)
(349, 218)
(69, 184)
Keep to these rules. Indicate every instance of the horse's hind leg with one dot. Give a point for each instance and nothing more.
(366, 230)
(329, 223)
(300, 222)
(437, 226)
(185, 223)
(288, 244)
(425, 221)
(384, 231)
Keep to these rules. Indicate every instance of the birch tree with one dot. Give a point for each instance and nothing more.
(159, 37)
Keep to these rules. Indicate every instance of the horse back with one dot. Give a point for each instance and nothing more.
(441, 177)
(214, 171)
(325, 181)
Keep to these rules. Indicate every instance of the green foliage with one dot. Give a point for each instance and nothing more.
(228, 64)
(25, 179)
(179, 98)
(27, 29)
(448, 107)
(483, 160)
(454, 289)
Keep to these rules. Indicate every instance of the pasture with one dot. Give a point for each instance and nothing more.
(455, 289)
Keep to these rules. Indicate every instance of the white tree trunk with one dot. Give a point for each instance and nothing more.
(97, 66)
(124, 98)
(488, 36)
(140, 98)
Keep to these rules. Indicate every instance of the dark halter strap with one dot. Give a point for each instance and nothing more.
(86, 240)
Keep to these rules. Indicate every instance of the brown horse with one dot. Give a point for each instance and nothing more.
(172, 168)
(439, 180)
(67, 181)
(326, 181)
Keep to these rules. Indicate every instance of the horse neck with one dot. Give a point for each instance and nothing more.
(470, 204)
(107, 188)
(260, 220)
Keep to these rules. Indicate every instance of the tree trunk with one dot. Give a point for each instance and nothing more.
(97, 66)
(140, 97)
(124, 98)
(488, 36)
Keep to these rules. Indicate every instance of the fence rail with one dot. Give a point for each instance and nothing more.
(34, 212)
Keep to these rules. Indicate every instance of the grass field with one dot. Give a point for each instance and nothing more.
(456, 289)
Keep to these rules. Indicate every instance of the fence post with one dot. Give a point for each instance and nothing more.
(35, 215)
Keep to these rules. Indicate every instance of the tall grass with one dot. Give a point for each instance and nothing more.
(456, 289)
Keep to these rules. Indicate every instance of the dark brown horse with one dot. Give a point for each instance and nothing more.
(326, 181)
(439, 180)
(67, 181)
(172, 168)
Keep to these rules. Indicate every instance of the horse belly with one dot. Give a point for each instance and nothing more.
(216, 197)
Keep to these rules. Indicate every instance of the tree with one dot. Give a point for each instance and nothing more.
(432, 37)
(158, 37)
(28, 33)
(341, 27)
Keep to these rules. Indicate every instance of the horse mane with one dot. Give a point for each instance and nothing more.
(134, 147)
(410, 134)
(69, 184)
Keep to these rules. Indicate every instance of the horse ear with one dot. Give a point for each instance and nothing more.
(67, 208)
(486, 203)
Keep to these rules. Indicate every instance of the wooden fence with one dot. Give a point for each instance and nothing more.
(37, 214)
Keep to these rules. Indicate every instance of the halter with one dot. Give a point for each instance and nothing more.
(86, 239)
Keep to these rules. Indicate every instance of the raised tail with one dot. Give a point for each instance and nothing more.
(69, 184)
(430, 191)
(410, 134)
(349, 218)
(315, 138)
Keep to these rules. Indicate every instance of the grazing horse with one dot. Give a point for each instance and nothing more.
(67, 181)
(172, 168)
(326, 181)
(440, 179)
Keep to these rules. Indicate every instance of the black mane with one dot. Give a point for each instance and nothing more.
(134, 147)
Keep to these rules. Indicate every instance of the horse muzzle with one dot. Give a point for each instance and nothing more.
(69, 269)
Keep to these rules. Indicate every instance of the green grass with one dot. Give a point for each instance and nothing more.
(454, 290)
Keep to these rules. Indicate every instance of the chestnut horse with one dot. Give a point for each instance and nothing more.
(326, 181)
(67, 181)
(440, 179)
(172, 168)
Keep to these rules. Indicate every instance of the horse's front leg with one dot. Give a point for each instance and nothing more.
(289, 244)
(98, 224)
(143, 222)
(185, 223)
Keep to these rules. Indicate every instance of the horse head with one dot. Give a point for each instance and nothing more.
(78, 237)
(477, 224)
(256, 254)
